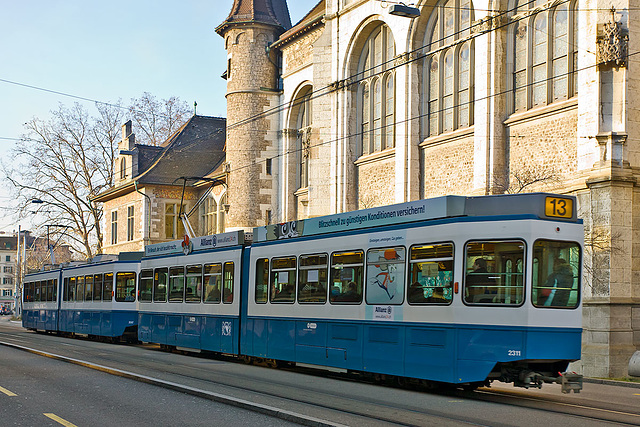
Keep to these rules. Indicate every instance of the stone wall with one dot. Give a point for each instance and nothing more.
(447, 167)
(375, 180)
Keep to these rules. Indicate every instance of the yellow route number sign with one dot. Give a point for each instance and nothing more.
(558, 207)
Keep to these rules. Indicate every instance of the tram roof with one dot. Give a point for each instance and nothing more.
(543, 205)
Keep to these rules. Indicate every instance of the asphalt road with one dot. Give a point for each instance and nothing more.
(323, 397)
(39, 391)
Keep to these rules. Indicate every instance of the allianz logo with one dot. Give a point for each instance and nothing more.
(383, 310)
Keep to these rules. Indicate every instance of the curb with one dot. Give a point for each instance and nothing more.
(216, 397)
(611, 382)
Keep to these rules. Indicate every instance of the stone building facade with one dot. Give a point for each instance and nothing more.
(355, 107)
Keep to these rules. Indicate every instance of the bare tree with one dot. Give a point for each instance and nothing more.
(157, 120)
(60, 164)
(65, 161)
(525, 178)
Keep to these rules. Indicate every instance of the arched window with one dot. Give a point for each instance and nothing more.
(303, 141)
(123, 168)
(544, 52)
(376, 92)
(447, 78)
(212, 216)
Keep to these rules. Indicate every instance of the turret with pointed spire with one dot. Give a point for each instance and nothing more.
(252, 88)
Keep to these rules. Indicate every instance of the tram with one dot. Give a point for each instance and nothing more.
(457, 290)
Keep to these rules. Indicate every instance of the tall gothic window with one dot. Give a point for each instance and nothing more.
(123, 168)
(447, 77)
(212, 216)
(376, 91)
(303, 141)
(544, 53)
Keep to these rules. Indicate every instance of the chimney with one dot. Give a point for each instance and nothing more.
(128, 138)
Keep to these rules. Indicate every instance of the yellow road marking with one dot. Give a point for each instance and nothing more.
(7, 392)
(59, 420)
(636, 394)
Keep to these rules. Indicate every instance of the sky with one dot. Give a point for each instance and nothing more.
(107, 51)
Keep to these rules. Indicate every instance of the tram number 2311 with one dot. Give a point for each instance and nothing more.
(515, 353)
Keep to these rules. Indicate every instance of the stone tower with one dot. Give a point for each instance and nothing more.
(253, 74)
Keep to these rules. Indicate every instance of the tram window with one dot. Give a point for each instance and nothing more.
(431, 274)
(212, 282)
(176, 284)
(65, 289)
(556, 278)
(494, 273)
(262, 280)
(313, 278)
(227, 291)
(385, 275)
(145, 287)
(347, 270)
(72, 288)
(54, 290)
(125, 286)
(160, 281)
(107, 289)
(50, 290)
(88, 288)
(97, 287)
(80, 288)
(38, 289)
(193, 288)
(283, 279)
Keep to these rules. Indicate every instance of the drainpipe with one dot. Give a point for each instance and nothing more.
(146, 240)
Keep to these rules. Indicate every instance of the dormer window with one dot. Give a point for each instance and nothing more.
(123, 168)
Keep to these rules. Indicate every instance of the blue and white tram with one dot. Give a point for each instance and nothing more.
(187, 293)
(99, 298)
(460, 290)
(41, 300)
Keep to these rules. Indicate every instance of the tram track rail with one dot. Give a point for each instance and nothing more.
(295, 403)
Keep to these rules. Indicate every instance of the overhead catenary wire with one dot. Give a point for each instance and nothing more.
(280, 108)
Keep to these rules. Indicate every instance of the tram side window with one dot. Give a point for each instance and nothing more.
(65, 289)
(97, 287)
(72, 288)
(107, 290)
(283, 279)
(80, 288)
(212, 282)
(313, 279)
(160, 282)
(145, 287)
(494, 273)
(38, 289)
(347, 271)
(556, 274)
(227, 294)
(431, 274)
(54, 296)
(88, 288)
(176, 284)
(193, 288)
(125, 286)
(27, 292)
(50, 290)
(262, 280)
(385, 275)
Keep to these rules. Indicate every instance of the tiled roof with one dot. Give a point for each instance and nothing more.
(195, 150)
(271, 12)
